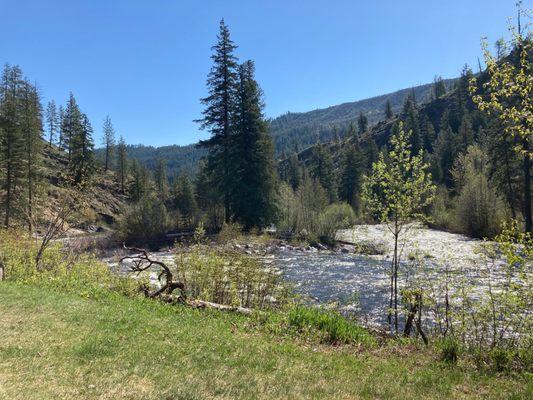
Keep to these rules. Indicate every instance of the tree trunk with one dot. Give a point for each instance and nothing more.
(527, 186)
(395, 277)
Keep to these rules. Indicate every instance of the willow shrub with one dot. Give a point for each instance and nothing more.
(227, 277)
(59, 268)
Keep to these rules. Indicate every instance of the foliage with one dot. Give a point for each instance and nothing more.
(20, 147)
(253, 198)
(184, 202)
(144, 221)
(479, 210)
(507, 94)
(398, 188)
(228, 277)
(396, 192)
(334, 217)
(229, 233)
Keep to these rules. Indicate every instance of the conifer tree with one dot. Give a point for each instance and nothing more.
(140, 185)
(294, 171)
(219, 112)
(254, 198)
(60, 119)
(350, 176)
(52, 121)
(322, 170)
(439, 89)
(32, 129)
(108, 141)
(81, 146)
(161, 179)
(427, 133)
(411, 123)
(362, 122)
(184, 200)
(71, 124)
(466, 133)
(12, 142)
(122, 164)
(388, 110)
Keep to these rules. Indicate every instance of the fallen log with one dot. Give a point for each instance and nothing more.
(220, 307)
(173, 299)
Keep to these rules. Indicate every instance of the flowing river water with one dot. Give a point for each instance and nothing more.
(360, 284)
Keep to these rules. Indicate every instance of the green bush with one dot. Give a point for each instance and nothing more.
(306, 213)
(330, 326)
(441, 213)
(449, 351)
(230, 232)
(228, 277)
(144, 221)
(333, 218)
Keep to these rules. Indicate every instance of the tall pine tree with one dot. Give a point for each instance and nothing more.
(52, 121)
(12, 142)
(108, 141)
(122, 164)
(219, 112)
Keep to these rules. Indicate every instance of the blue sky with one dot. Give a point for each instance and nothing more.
(145, 62)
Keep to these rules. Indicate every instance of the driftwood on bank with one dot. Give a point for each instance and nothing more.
(142, 261)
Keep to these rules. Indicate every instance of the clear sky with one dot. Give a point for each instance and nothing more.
(144, 62)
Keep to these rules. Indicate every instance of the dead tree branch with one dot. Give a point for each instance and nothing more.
(142, 262)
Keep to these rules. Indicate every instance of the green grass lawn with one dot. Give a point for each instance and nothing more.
(63, 346)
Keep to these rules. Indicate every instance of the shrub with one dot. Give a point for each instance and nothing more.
(334, 217)
(369, 248)
(441, 213)
(228, 277)
(306, 213)
(144, 221)
(331, 327)
(230, 232)
(449, 351)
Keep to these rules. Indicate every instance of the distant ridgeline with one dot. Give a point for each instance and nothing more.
(292, 132)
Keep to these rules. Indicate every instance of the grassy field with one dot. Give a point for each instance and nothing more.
(63, 346)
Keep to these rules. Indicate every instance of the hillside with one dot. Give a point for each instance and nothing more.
(299, 130)
(380, 132)
(291, 131)
(105, 203)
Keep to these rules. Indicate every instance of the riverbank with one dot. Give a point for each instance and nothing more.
(62, 346)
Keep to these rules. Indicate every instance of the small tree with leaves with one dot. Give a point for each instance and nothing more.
(396, 192)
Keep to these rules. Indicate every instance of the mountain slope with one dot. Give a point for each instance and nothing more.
(295, 131)
(292, 131)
